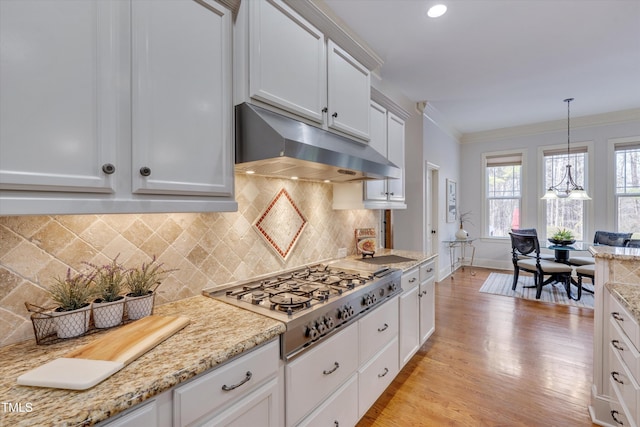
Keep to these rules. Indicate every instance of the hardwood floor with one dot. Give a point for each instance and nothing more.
(494, 361)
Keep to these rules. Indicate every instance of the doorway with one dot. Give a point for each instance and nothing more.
(431, 188)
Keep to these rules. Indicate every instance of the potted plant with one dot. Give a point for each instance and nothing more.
(73, 294)
(108, 308)
(142, 282)
(562, 237)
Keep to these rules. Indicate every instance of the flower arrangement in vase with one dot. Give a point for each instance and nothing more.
(73, 294)
(461, 233)
(108, 308)
(142, 283)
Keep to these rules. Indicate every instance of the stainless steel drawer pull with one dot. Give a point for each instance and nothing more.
(231, 387)
(614, 375)
(616, 345)
(617, 316)
(429, 270)
(384, 328)
(386, 371)
(336, 365)
(413, 279)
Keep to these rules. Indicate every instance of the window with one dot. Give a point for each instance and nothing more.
(627, 187)
(503, 192)
(565, 213)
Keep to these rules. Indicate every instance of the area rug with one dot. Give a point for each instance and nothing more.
(500, 284)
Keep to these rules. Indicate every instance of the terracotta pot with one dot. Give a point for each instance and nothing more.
(139, 307)
(74, 323)
(108, 314)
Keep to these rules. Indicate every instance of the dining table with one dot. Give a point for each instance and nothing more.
(562, 252)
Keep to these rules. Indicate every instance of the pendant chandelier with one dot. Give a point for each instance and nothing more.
(568, 189)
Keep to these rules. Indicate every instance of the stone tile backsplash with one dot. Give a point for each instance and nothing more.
(207, 248)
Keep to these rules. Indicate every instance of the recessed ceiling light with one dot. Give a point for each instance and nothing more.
(436, 11)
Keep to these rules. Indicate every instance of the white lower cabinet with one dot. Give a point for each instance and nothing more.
(427, 298)
(245, 389)
(376, 375)
(339, 409)
(315, 375)
(409, 315)
(153, 413)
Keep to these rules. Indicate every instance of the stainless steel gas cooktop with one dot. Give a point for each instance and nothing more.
(313, 301)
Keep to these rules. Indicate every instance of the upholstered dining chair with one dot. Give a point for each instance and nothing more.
(607, 238)
(634, 243)
(585, 271)
(527, 244)
(533, 232)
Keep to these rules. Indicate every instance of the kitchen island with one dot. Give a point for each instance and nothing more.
(616, 338)
(217, 333)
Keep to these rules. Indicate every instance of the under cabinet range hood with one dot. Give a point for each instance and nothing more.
(270, 144)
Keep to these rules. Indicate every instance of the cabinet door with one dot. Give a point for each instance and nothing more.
(181, 98)
(349, 93)
(395, 150)
(409, 312)
(260, 408)
(377, 189)
(58, 69)
(287, 60)
(427, 309)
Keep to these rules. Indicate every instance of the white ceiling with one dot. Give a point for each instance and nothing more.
(490, 64)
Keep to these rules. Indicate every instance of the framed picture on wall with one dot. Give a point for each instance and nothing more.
(452, 201)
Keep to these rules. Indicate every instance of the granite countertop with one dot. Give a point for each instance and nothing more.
(628, 295)
(416, 257)
(614, 252)
(217, 333)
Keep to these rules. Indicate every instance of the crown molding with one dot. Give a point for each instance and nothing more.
(389, 104)
(612, 118)
(323, 18)
(434, 115)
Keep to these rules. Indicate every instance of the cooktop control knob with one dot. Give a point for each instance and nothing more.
(367, 300)
(329, 322)
(350, 309)
(393, 286)
(374, 298)
(312, 332)
(321, 327)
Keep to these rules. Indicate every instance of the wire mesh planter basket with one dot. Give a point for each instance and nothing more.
(50, 326)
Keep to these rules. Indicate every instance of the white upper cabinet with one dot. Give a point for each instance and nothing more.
(286, 62)
(377, 189)
(111, 107)
(58, 109)
(387, 137)
(181, 98)
(349, 93)
(395, 154)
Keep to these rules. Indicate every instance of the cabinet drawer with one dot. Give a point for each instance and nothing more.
(206, 394)
(319, 372)
(618, 416)
(378, 328)
(375, 377)
(427, 270)
(625, 320)
(625, 387)
(621, 345)
(410, 279)
(338, 409)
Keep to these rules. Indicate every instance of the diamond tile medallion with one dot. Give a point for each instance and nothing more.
(281, 224)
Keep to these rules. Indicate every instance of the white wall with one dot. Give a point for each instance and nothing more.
(600, 214)
(440, 147)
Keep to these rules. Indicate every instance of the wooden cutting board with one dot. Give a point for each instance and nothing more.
(92, 363)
